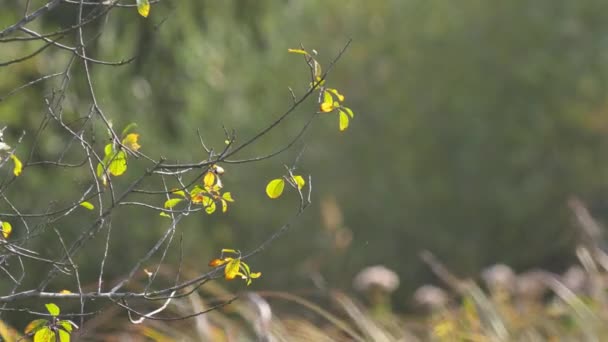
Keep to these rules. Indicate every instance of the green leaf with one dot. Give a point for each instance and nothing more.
(44, 335)
(179, 193)
(118, 164)
(298, 51)
(99, 170)
(170, 203)
(35, 325)
(143, 8)
(87, 205)
(300, 182)
(127, 129)
(343, 121)
(52, 309)
(209, 205)
(275, 187)
(164, 214)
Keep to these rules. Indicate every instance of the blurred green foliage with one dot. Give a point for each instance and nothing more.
(476, 120)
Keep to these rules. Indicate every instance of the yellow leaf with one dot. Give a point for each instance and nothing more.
(18, 165)
(335, 92)
(209, 179)
(209, 205)
(6, 229)
(275, 187)
(299, 51)
(343, 121)
(232, 269)
(350, 112)
(328, 102)
(130, 141)
(300, 182)
(164, 214)
(143, 8)
(64, 291)
(118, 164)
(224, 205)
(87, 205)
(178, 192)
(170, 203)
(53, 309)
(44, 335)
(227, 196)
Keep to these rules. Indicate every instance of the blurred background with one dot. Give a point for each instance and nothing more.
(475, 123)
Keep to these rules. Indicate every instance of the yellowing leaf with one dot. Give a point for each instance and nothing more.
(64, 291)
(35, 325)
(108, 149)
(44, 335)
(224, 205)
(118, 164)
(178, 192)
(232, 269)
(209, 205)
(300, 182)
(130, 141)
(64, 331)
(18, 165)
(227, 196)
(299, 51)
(87, 205)
(52, 309)
(335, 92)
(275, 187)
(343, 121)
(170, 203)
(209, 179)
(350, 112)
(164, 214)
(328, 102)
(143, 8)
(6, 229)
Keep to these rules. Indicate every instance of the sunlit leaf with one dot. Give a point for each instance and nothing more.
(275, 187)
(336, 93)
(18, 165)
(299, 51)
(118, 164)
(143, 8)
(230, 250)
(170, 203)
(64, 336)
(232, 269)
(52, 309)
(164, 214)
(343, 120)
(6, 229)
(209, 179)
(108, 149)
(227, 196)
(209, 205)
(44, 335)
(66, 326)
(99, 170)
(350, 112)
(64, 291)
(300, 182)
(130, 141)
(328, 102)
(87, 205)
(224, 205)
(35, 325)
(179, 193)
